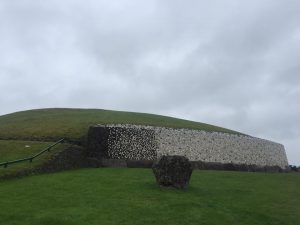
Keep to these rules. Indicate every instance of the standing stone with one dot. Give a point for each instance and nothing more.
(173, 171)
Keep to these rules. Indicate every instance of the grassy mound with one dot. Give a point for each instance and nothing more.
(47, 125)
(130, 196)
(53, 124)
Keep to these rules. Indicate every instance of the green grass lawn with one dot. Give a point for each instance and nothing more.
(53, 124)
(12, 150)
(130, 196)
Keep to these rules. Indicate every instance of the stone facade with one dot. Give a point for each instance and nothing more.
(137, 142)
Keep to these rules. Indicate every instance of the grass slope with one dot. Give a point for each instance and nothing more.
(52, 124)
(12, 150)
(130, 196)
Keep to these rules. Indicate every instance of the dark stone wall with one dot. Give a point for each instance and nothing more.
(139, 163)
(235, 167)
(131, 144)
(106, 142)
(98, 138)
(71, 158)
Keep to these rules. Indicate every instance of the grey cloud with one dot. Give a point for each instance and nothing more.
(230, 63)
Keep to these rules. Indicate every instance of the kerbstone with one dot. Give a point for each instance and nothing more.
(173, 171)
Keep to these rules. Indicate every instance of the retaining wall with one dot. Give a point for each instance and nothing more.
(136, 142)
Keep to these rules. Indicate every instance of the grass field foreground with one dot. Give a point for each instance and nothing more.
(130, 196)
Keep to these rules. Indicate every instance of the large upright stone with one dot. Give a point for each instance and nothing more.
(173, 171)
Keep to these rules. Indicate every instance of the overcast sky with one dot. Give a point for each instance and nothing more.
(234, 63)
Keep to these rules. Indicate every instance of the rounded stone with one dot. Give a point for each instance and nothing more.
(173, 171)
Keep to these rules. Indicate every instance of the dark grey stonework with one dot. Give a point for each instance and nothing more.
(106, 142)
(173, 171)
(70, 158)
(113, 163)
(98, 142)
(139, 163)
(235, 167)
(132, 144)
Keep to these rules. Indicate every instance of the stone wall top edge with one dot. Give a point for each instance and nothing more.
(165, 128)
(150, 127)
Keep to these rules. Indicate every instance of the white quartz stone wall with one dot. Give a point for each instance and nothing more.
(220, 147)
(199, 145)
